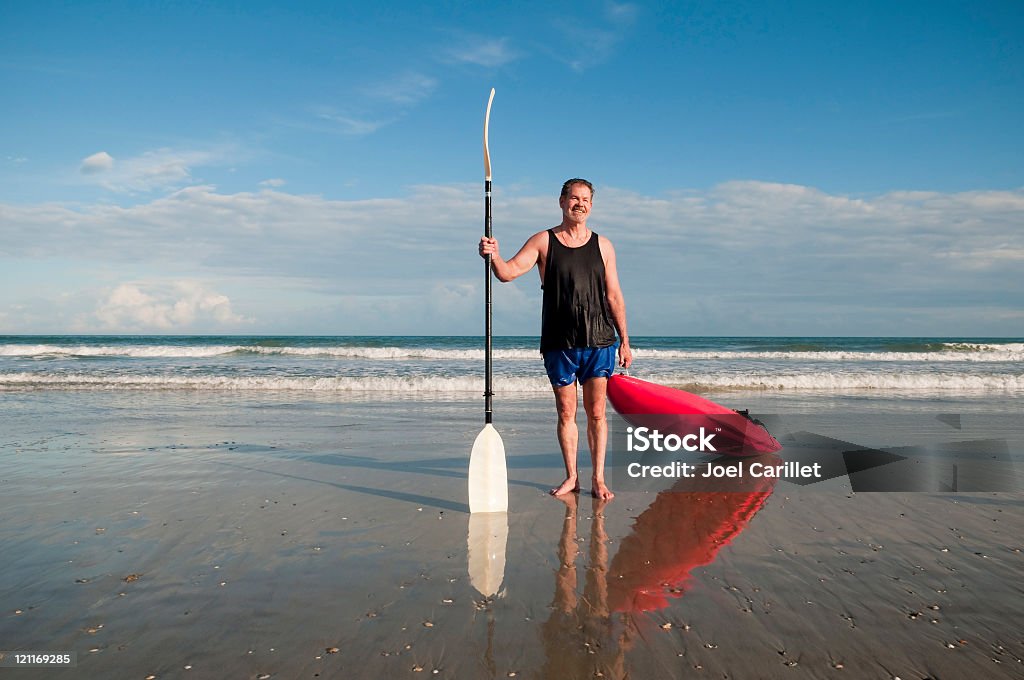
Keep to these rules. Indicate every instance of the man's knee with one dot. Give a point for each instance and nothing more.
(595, 405)
(596, 413)
(566, 415)
(566, 410)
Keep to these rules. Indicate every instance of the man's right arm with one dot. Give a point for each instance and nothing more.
(524, 260)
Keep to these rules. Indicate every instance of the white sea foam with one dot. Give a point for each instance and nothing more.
(853, 381)
(829, 382)
(420, 384)
(1013, 353)
(201, 351)
(956, 352)
(1012, 347)
(398, 353)
(139, 351)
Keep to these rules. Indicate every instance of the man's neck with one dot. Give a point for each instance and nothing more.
(573, 227)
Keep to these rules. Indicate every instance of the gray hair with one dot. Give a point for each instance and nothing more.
(575, 180)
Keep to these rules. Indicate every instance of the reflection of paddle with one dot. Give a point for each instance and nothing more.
(680, 531)
(488, 478)
(488, 535)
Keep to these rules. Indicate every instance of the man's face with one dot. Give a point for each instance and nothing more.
(576, 204)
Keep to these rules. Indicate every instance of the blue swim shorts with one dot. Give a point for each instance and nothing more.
(565, 366)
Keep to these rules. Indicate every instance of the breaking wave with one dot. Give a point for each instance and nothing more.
(810, 382)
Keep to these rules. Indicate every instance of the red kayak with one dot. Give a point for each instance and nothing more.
(677, 412)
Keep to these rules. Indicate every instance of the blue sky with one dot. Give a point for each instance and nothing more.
(779, 169)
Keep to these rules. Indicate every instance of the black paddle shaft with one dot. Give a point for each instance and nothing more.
(488, 391)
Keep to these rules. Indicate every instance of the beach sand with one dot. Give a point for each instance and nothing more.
(298, 537)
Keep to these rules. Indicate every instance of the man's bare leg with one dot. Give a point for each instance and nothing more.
(566, 598)
(594, 403)
(568, 437)
(595, 591)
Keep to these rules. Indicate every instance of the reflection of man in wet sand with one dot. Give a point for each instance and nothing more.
(583, 308)
(581, 638)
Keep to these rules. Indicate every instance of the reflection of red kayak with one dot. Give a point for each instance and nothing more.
(680, 531)
(671, 411)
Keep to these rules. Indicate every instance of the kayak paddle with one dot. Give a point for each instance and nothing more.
(488, 477)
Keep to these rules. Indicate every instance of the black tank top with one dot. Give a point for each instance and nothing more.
(575, 312)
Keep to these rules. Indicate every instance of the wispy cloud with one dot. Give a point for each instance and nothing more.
(376, 106)
(159, 169)
(349, 125)
(482, 51)
(621, 13)
(405, 89)
(595, 38)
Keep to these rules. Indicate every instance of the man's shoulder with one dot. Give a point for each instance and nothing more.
(536, 246)
(605, 246)
(538, 240)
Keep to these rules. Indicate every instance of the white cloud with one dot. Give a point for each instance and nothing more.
(483, 51)
(594, 38)
(621, 12)
(96, 163)
(150, 171)
(377, 105)
(199, 224)
(404, 89)
(274, 183)
(451, 299)
(348, 125)
(183, 306)
(740, 253)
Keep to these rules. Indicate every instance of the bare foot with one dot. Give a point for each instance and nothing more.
(571, 500)
(570, 484)
(600, 490)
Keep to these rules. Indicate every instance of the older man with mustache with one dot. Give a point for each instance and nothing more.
(583, 308)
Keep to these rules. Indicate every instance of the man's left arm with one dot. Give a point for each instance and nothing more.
(616, 302)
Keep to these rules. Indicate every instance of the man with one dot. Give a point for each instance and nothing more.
(583, 308)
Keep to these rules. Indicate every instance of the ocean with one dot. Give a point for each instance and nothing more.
(446, 367)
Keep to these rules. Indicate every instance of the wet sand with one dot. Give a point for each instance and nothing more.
(301, 539)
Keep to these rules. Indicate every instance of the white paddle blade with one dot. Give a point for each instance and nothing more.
(488, 535)
(488, 478)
